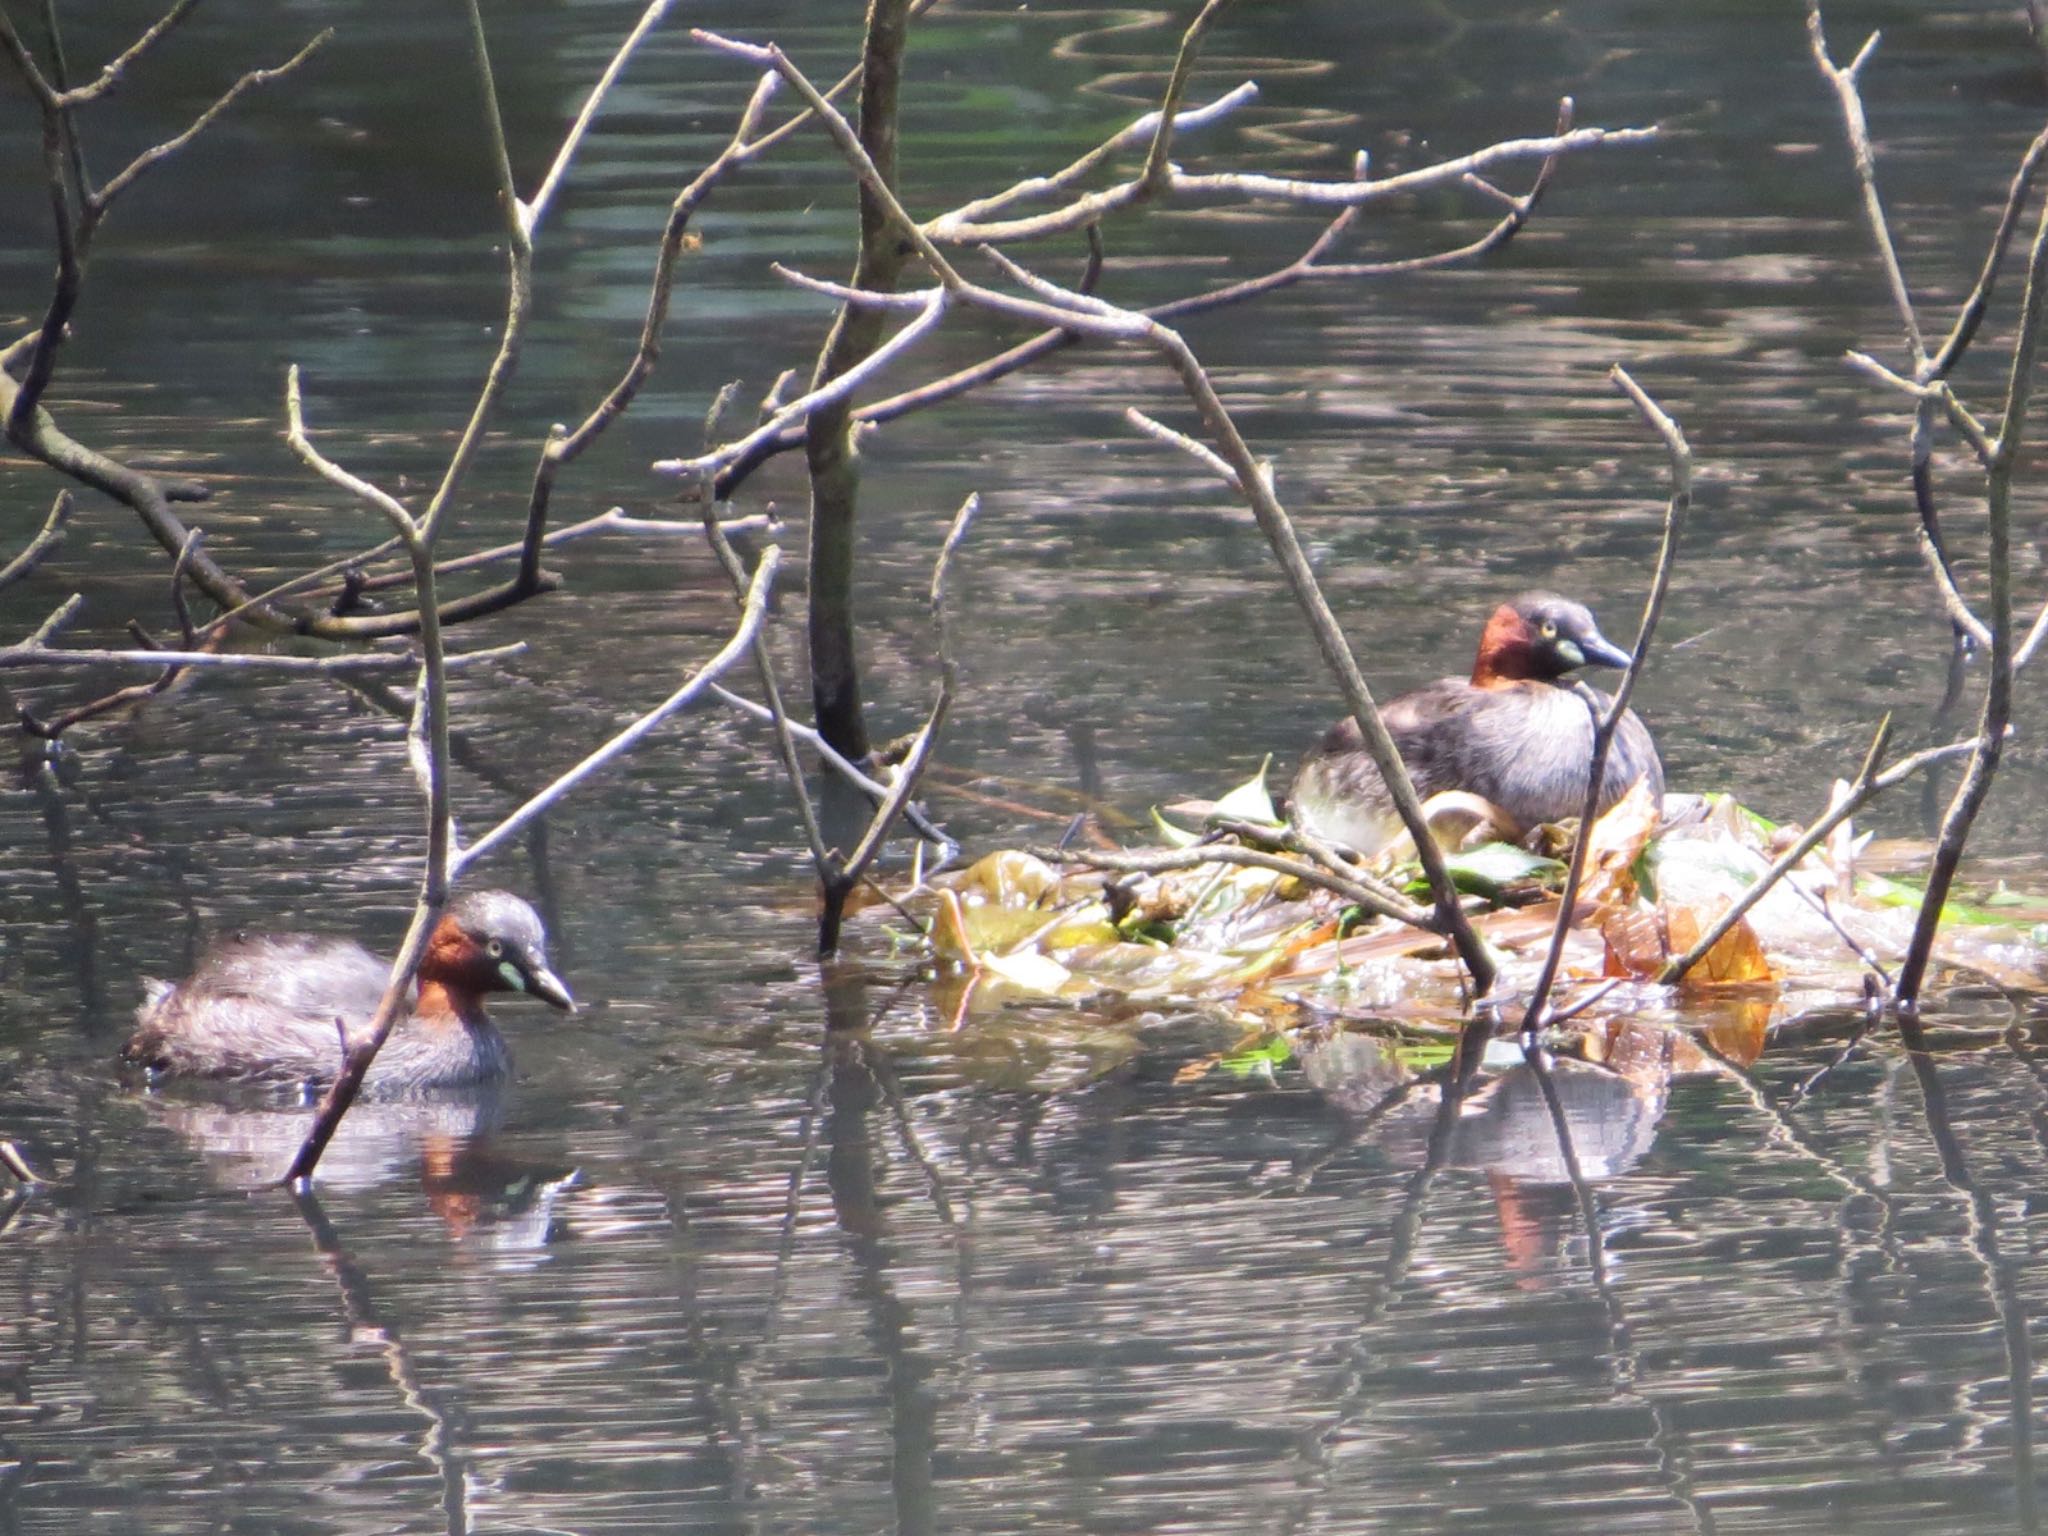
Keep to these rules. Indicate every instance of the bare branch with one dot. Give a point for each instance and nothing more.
(1610, 718)
(54, 726)
(25, 64)
(47, 539)
(534, 211)
(110, 75)
(1238, 186)
(96, 202)
(38, 654)
(60, 619)
(1158, 171)
(771, 690)
(518, 294)
(356, 1062)
(1159, 431)
(845, 83)
(1974, 307)
(2036, 633)
(613, 520)
(1858, 129)
(494, 126)
(562, 448)
(872, 181)
(1866, 786)
(1131, 134)
(932, 304)
(737, 646)
(1952, 599)
(408, 528)
(873, 788)
(1937, 391)
(1295, 840)
(911, 769)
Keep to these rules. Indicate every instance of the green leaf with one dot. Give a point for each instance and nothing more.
(1174, 837)
(1491, 868)
(1886, 892)
(1260, 1060)
(1251, 801)
(1424, 1055)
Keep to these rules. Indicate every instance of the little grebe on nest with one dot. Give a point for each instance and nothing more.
(1513, 734)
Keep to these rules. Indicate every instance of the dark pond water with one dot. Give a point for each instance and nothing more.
(745, 1252)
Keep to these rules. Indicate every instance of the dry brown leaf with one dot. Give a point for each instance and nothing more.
(1617, 842)
(1634, 940)
(1280, 956)
(1737, 957)
(1738, 1034)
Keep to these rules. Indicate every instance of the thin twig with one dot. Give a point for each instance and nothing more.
(47, 539)
(1844, 82)
(873, 788)
(110, 74)
(535, 209)
(706, 465)
(741, 641)
(911, 769)
(1294, 840)
(1866, 786)
(1131, 134)
(1241, 186)
(1611, 717)
(771, 690)
(383, 501)
(26, 655)
(96, 202)
(564, 447)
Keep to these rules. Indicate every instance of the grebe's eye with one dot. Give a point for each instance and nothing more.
(495, 949)
(1549, 630)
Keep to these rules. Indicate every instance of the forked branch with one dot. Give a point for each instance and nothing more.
(1610, 718)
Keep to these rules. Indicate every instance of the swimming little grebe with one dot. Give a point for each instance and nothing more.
(272, 1006)
(1511, 734)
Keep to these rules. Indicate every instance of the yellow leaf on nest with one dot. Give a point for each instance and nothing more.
(1011, 878)
(1736, 957)
(1639, 943)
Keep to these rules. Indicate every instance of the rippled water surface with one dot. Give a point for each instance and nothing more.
(745, 1250)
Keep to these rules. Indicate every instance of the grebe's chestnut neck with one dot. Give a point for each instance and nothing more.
(1539, 637)
(1509, 734)
(284, 1006)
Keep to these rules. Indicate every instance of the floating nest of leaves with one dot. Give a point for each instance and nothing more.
(1274, 954)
